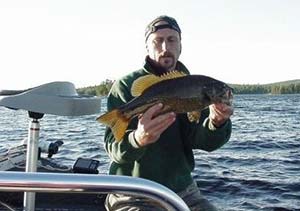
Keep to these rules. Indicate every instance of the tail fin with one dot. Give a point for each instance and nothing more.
(116, 121)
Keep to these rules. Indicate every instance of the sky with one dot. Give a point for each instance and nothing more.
(88, 41)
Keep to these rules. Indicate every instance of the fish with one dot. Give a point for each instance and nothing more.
(176, 91)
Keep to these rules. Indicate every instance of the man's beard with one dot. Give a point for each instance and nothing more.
(159, 69)
(166, 60)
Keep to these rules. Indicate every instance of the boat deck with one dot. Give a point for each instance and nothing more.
(55, 201)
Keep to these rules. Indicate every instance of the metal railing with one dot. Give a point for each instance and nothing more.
(83, 183)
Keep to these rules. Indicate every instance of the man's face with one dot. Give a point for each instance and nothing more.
(164, 47)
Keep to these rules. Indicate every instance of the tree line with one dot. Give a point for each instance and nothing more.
(286, 87)
(98, 90)
(276, 88)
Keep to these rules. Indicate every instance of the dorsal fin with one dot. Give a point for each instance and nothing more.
(142, 83)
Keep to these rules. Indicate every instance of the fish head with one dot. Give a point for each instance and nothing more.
(219, 92)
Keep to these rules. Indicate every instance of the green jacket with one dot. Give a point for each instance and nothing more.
(170, 160)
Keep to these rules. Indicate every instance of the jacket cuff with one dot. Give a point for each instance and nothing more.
(133, 141)
(212, 127)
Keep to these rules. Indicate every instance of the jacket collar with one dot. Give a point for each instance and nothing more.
(150, 67)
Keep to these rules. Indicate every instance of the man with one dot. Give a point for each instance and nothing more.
(159, 148)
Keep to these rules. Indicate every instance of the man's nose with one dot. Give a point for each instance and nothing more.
(165, 46)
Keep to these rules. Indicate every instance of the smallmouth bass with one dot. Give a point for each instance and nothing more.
(177, 92)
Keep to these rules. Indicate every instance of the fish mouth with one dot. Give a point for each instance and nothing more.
(227, 97)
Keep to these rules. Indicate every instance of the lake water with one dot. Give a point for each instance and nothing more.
(258, 169)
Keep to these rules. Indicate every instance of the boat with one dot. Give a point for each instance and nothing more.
(29, 178)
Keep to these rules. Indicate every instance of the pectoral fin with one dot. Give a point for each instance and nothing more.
(194, 116)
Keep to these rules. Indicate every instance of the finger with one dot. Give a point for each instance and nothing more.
(218, 118)
(152, 134)
(214, 108)
(216, 115)
(148, 130)
(220, 106)
(159, 122)
(157, 129)
(148, 115)
(226, 111)
(140, 116)
(223, 109)
(229, 110)
(221, 115)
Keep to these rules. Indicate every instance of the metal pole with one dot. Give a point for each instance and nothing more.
(31, 160)
(83, 183)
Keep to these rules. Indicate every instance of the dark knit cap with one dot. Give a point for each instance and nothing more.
(171, 23)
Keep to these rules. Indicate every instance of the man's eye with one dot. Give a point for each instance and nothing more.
(157, 41)
(172, 39)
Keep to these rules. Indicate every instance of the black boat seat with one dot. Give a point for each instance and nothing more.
(58, 98)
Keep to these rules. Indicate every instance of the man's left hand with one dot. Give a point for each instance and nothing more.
(219, 113)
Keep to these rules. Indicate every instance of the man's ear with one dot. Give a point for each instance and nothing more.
(180, 48)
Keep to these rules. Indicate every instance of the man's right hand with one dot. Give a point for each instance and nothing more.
(150, 126)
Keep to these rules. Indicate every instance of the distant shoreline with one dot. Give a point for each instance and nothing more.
(284, 87)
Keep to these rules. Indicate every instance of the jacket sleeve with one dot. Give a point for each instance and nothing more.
(126, 150)
(204, 135)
